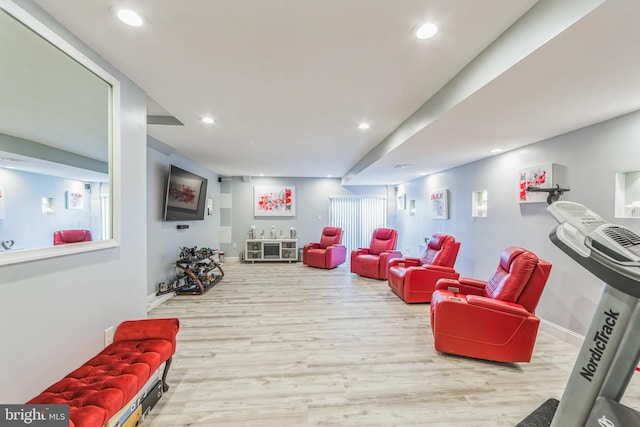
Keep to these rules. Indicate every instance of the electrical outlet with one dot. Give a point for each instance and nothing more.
(108, 335)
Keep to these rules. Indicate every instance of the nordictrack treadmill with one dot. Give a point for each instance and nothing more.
(611, 349)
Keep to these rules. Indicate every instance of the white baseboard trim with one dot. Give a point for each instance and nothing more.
(153, 301)
(562, 333)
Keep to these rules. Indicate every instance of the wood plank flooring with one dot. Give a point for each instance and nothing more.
(282, 345)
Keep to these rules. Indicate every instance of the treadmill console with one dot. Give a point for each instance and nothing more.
(610, 251)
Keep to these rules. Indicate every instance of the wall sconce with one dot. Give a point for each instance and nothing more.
(412, 208)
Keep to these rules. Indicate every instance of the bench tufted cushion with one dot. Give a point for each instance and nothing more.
(104, 384)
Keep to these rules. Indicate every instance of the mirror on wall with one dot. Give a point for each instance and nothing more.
(58, 127)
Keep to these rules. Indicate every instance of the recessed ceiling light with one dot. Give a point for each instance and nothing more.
(261, 174)
(130, 17)
(400, 166)
(426, 30)
(364, 125)
(328, 176)
(207, 120)
(496, 150)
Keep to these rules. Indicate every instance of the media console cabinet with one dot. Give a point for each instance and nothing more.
(271, 250)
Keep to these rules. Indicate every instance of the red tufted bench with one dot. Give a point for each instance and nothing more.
(103, 385)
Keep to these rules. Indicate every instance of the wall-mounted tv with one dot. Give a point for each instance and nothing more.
(185, 197)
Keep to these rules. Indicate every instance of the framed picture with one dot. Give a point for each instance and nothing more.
(402, 201)
(274, 201)
(536, 176)
(75, 200)
(440, 204)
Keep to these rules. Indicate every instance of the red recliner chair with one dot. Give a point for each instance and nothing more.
(63, 237)
(374, 261)
(492, 320)
(414, 279)
(328, 253)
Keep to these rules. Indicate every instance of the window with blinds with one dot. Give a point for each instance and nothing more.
(358, 216)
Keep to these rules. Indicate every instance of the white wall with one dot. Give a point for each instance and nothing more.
(590, 158)
(53, 312)
(312, 207)
(164, 240)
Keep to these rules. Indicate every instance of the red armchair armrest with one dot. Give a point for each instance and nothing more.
(405, 262)
(462, 286)
(339, 248)
(314, 245)
(497, 305)
(480, 284)
(385, 258)
(390, 254)
(438, 268)
(428, 276)
(337, 254)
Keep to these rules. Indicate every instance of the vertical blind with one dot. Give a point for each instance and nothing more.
(358, 216)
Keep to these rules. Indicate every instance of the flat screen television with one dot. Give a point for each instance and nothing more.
(185, 196)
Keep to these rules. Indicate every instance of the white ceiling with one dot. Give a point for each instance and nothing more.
(289, 80)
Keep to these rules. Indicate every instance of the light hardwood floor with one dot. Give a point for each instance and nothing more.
(281, 345)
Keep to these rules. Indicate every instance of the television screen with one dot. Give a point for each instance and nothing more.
(185, 197)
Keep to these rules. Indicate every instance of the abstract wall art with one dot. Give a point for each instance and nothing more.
(274, 201)
(535, 176)
(440, 204)
(75, 200)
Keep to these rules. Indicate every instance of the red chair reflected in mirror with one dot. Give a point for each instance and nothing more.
(63, 237)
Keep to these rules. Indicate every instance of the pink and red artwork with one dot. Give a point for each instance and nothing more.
(440, 204)
(535, 176)
(274, 201)
(75, 200)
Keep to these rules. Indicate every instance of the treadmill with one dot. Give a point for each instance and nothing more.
(611, 349)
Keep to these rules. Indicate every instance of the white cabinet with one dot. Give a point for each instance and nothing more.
(271, 250)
